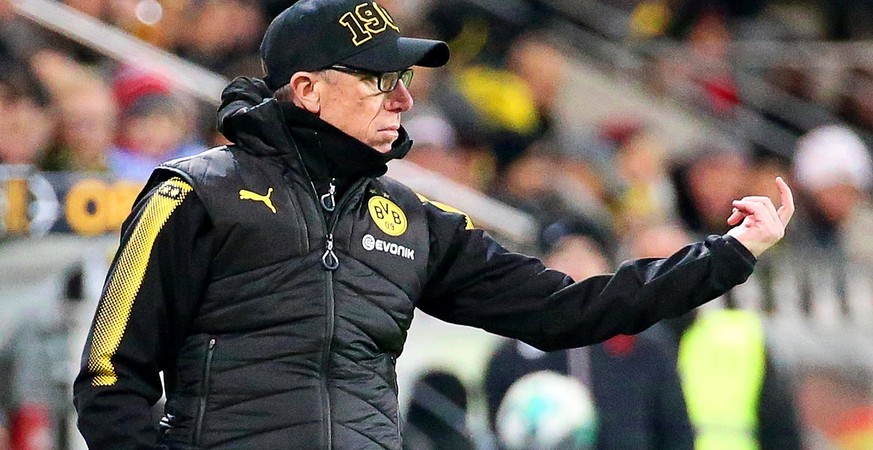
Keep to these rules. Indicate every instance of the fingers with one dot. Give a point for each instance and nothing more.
(735, 217)
(768, 208)
(786, 211)
(750, 208)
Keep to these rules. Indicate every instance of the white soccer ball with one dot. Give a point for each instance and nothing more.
(547, 411)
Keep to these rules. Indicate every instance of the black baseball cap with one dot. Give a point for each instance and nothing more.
(316, 34)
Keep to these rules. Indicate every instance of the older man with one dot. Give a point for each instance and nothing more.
(273, 280)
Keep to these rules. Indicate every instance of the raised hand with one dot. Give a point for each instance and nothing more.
(759, 225)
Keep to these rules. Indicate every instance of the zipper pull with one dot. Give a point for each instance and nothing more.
(329, 259)
(328, 202)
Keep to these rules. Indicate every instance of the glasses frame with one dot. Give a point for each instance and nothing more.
(384, 81)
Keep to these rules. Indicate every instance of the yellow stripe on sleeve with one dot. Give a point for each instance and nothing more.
(123, 286)
(447, 208)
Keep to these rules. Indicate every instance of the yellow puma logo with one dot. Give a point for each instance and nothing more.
(249, 195)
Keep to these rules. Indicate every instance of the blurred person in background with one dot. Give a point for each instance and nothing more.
(834, 172)
(699, 196)
(154, 126)
(490, 105)
(633, 379)
(527, 184)
(86, 130)
(87, 114)
(831, 250)
(232, 51)
(436, 150)
(737, 392)
(699, 72)
(551, 185)
(27, 121)
(437, 146)
(647, 194)
(437, 415)
(294, 344)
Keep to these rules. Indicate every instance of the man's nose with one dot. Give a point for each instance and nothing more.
(399, 100)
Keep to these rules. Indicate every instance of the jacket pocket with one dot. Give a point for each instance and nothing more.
(204, 392)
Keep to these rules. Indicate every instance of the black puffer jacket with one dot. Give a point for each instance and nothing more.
(273, 282)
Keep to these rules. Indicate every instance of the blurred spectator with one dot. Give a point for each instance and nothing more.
(223, 36)
(543, 65)
(154, 126)
(565, 238)
(543, 68)
(436, 139)
(700, 72)
(525, 184)
(489, 104)
(437, 415)
(736, 397)
(26, 119)
(647, 195)
(706, 181)
(634, 379)
(737, 394)
(87, 115)
(549, 186)
(492, 107)
(476, 33)
(834, 173)
(829, 253)
(436, 149)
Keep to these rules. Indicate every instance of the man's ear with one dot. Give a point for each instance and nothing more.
(306, 96)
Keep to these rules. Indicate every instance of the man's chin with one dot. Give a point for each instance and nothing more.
(383, 148)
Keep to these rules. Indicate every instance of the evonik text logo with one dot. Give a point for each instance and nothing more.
(370, 244)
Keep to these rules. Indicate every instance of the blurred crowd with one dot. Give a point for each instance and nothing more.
(497, 120)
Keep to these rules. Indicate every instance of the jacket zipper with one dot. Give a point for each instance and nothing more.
(201, 412)
(325, 359)
(330, 262)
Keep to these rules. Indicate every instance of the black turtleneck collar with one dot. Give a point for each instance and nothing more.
(328, 152)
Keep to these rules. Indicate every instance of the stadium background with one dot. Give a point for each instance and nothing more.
(612, 116)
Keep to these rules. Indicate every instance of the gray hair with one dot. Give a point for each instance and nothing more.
(286, 93)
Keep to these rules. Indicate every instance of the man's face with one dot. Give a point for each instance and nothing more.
(354, 104)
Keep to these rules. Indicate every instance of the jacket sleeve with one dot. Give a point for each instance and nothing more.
(475, 281)
(151, 292)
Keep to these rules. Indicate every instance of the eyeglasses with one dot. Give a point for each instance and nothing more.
(387, 81)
